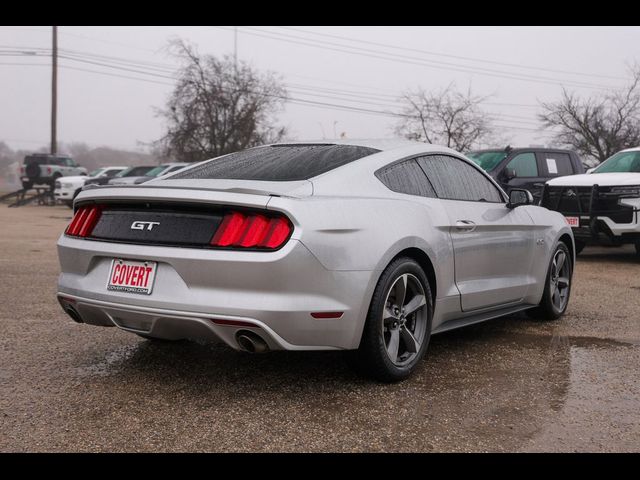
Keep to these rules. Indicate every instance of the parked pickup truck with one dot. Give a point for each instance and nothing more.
(45, 169)
(68, 188)
(602, 207)
(527, 168)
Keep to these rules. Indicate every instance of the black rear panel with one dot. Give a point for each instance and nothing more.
(278, 163)
(154, 224)
(158, 228)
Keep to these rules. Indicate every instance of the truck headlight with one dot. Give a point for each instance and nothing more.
(630, 202)
(631, 190)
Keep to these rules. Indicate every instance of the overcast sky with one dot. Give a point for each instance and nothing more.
(352, 67)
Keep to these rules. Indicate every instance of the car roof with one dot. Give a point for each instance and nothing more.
(382, 144)
(520, 149)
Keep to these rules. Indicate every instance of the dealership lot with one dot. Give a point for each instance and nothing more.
(512, 384)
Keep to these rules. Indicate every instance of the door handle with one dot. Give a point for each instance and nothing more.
(465, 225)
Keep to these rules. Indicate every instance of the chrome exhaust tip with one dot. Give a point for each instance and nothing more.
(75, 316)
(251, 342)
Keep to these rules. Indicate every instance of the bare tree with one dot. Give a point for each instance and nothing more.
(596, 126)
(218, 107)
(447, 117)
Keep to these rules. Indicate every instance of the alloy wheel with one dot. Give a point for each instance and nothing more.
(404, 319)
(560, 280)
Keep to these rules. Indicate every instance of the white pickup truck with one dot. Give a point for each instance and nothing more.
(45, 169)
(603, 206)
(68, 188)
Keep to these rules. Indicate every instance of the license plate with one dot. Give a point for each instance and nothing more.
(132, 276)
(573, 221)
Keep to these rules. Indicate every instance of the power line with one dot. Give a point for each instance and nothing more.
(459, 57)
(414, 60)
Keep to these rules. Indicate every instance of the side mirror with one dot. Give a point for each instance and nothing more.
(591, 170)
(509, 173)
(519, 197)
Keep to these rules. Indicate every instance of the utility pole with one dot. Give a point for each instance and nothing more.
(54, 91)
(235, 47)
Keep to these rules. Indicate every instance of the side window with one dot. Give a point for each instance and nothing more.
(455, 179)
(556, 164)
(524, 164)
(174, 169)
(406, 177)
(112, 173)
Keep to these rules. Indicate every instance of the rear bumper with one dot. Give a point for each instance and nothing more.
(275, 291)
(175, 324)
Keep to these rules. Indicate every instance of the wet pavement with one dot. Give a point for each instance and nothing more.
(512, 384)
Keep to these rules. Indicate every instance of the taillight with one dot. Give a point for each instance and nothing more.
(84, 221)
(252, 230)
(48, 170)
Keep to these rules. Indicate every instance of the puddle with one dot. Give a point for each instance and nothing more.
(111, 363)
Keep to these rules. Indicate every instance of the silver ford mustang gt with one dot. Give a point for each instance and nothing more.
(365, 246)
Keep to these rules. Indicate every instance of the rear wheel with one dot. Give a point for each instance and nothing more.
(398, 326)
(557, 288)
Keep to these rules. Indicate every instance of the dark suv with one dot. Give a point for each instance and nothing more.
(527, 168)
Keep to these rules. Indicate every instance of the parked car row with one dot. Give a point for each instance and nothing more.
(601, 204)
(67, 188)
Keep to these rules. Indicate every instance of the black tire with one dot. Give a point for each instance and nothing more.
(27, 185)
(373, 357)
(548, 309)
(580, 246)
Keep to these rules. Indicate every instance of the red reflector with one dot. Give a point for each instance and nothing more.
(48, 169)
(229, 230)
(326, 314)
(66, 299)
(254, 232)
(233, 323)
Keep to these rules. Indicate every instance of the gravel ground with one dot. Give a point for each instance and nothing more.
(507, 385)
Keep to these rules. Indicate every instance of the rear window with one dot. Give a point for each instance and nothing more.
(277, 163)
(44, 160)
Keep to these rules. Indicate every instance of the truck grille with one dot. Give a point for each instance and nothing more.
(593, 201)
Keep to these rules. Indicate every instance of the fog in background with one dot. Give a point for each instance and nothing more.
(341, 80)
